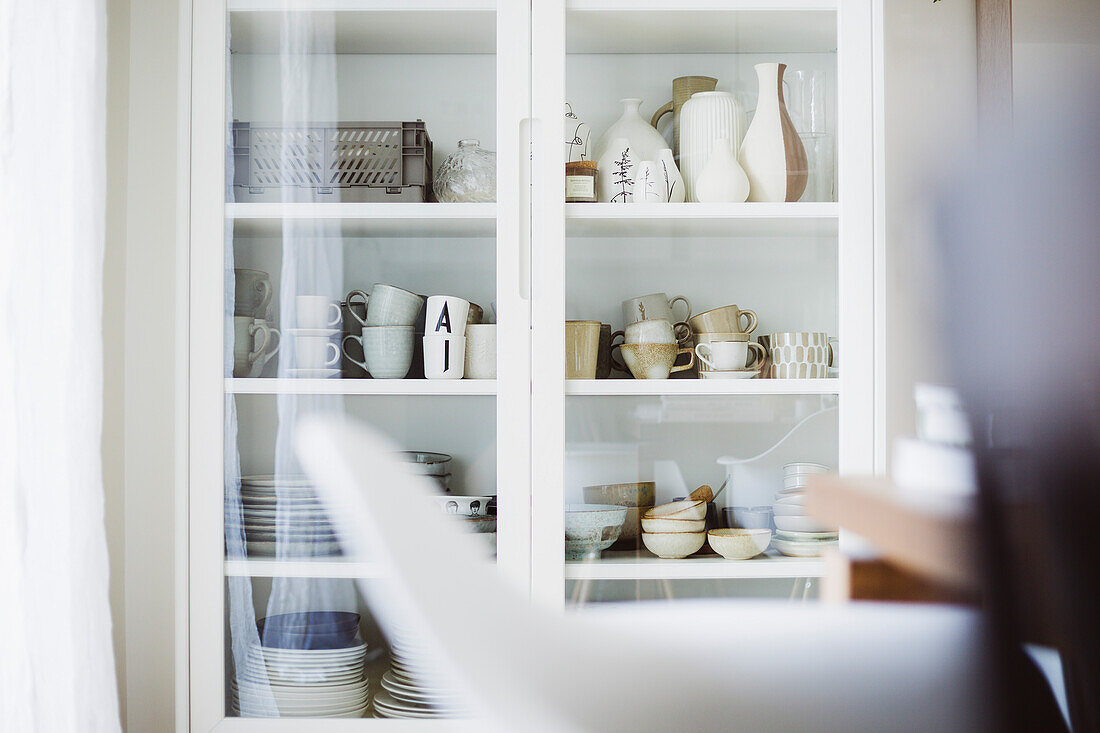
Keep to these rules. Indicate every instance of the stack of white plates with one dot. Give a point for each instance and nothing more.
(305, 682)
(798, 534)
(411, 688)
(283, 512)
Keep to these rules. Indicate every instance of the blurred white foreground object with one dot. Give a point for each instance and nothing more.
(940, 415)
(691, 666)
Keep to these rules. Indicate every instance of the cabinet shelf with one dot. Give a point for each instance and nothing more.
(701, 387)
(702, 220)
(304, 568)
(407, 387)
(364, 219)
(632, 566)
(701, 26)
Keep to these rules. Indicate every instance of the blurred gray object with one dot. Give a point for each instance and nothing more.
(1021, 259)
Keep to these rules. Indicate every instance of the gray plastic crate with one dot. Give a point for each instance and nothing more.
(344, 161)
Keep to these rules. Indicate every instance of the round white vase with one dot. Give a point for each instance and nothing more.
(615, 173)
(674, 182)
(722, 180)
(772, 154)
(644, 139)
(649, 183)
(706, 117)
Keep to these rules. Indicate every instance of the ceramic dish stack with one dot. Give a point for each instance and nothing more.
(436, 466)
(411, 688)
(796, 533)
(282, 513)
(676, 530)
(307, 665)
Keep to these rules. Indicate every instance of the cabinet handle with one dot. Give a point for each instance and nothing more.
(526, 153)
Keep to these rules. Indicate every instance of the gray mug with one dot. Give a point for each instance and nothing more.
(387, 350)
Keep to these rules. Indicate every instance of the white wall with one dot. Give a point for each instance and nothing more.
(930, 115)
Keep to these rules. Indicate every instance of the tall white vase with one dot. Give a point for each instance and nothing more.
(649, 183)
(722, 180)
(615, 172)
(644, 139)
(706, 117)
(772, 154)
(674, 182)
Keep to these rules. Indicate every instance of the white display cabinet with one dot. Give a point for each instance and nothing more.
(501, 72)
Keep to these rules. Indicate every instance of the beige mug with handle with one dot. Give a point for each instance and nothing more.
(682, 89)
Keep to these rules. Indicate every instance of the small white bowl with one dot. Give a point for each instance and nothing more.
(469, 506)
(791, 499)
(667, 525)
(673, 545)
(739, 544)
(800, 481)
(802, 524)
(683, 509)
(802, 549)
(788, 510)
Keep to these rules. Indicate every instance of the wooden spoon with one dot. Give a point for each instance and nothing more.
(703, 493)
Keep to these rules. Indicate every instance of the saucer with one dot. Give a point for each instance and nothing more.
(326, 332)
(734, 374)
(313, 373)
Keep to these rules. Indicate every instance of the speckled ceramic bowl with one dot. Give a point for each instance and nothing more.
(673, 545)
(591, 528)
(685, 509)
(739, 544)
(663, 524)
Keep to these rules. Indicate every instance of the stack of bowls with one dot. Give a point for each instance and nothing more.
(412, 688)
(281, 512)
(478, 515)
(436, 466)
(637, 497)
(591, 528)
(676, 530)
(307, 665)
(798, 534)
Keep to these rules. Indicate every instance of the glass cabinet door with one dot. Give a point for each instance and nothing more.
(363, 169)
(687, 343)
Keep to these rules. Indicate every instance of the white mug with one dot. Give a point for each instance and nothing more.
(730, 356)
(481, 351)
(444, 356)
(249, 343)
(316, 352)
(317, 311)
(446, 316)
(271, 348)
(649, 331)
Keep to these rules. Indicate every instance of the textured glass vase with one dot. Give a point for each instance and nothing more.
(468, 175)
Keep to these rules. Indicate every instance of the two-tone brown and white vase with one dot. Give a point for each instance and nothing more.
(772, 154)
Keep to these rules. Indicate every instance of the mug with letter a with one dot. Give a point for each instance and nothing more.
(445, 356)
(445, 316)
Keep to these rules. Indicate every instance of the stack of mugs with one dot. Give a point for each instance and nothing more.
(652, 337)
(722, 343)
(316, 355)
(798, 534)
(387, 331)
(254, 340)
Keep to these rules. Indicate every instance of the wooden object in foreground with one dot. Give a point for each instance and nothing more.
(927, 548)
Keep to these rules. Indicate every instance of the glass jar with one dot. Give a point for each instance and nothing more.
(580, 182)
(467, 175)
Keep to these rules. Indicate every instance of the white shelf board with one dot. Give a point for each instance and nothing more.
(701, 387)
(324, 725)
(371, 26)
(702, 220)
(634, 566)
(304, 568)
(364, 220)
(409, 387)
(701, 26)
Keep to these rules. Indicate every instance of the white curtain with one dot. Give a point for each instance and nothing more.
(56, 663)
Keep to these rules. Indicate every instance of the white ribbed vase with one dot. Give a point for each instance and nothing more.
(706, 117)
